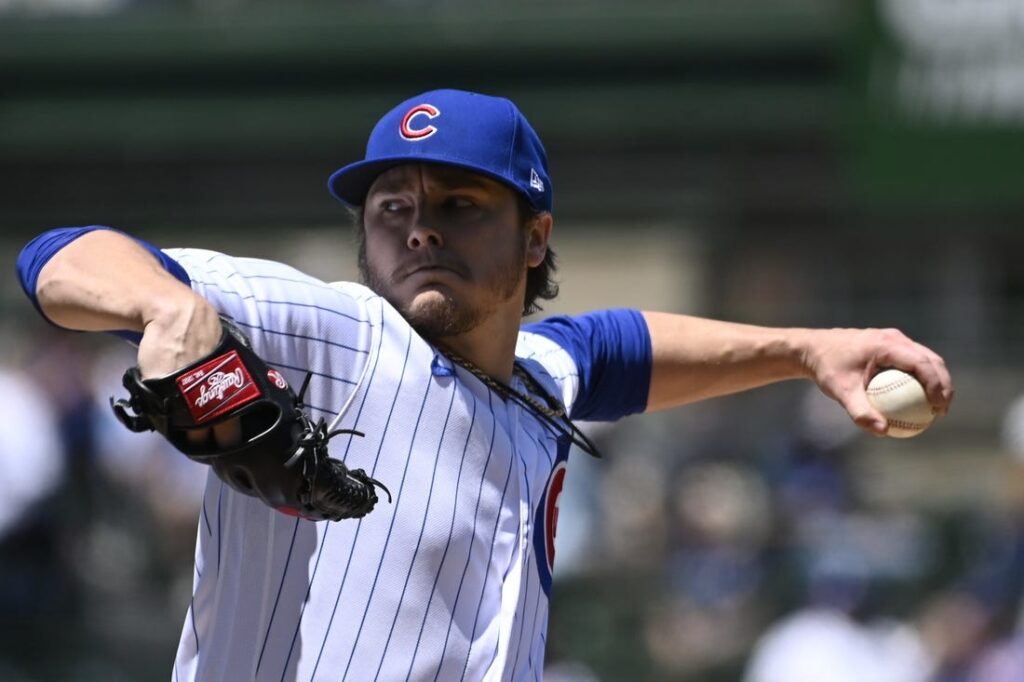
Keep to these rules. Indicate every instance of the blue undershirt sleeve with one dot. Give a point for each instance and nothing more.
(612, 351)
(40, 250)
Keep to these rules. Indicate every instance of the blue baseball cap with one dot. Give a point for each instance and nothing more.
(487, 135)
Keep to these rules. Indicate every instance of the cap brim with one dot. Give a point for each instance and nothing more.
(351, 184)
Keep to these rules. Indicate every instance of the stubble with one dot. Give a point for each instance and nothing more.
(442, 315)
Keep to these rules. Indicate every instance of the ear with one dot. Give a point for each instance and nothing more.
(538, 232)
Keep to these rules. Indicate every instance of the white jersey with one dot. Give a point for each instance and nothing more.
(449, 581)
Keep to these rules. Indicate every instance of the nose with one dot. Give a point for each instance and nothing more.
(422, 235)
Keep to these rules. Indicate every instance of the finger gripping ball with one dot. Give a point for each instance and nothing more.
(901, 398)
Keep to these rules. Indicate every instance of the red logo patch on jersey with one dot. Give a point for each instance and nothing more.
(415, 134)
(551, 500)
(276, 377)
(216, 387)
(545, 524)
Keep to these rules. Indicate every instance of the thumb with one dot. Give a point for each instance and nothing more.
(863, 413)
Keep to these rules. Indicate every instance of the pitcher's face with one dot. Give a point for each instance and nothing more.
(445, 246)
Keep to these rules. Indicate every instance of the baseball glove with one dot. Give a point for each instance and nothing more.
(281, 457)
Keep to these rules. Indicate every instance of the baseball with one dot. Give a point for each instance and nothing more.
(901, 398)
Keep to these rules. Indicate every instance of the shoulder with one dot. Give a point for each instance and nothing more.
(280, 302)
(212, 272)
(545, 352)
(533, 345)
(602, 360)
(550, 363)
(199, 262)
(357, 291)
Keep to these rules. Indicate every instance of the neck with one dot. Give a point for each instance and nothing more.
(491, 346)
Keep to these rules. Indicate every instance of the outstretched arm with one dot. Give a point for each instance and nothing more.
(696, 358)
(104, 280)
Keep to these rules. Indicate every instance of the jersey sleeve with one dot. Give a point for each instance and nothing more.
(601, 361)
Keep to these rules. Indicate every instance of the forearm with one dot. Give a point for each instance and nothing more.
(696, 358)
(104, 281)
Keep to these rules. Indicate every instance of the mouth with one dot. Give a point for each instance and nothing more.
(431, 269)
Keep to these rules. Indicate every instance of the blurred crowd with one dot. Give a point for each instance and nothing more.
(758, 554)
(97, 525)
(701, 549)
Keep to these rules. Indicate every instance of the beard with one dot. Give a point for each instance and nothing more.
(441, 314)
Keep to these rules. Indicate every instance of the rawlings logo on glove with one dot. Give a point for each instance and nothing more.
(222, 381)
(217, 385)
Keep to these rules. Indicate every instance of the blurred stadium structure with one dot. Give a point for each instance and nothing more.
(786, 162)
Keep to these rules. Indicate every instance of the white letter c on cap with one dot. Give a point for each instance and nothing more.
(414, 134)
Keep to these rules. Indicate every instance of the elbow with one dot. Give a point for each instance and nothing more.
(54, 289)
(51, 280)
(36, 256)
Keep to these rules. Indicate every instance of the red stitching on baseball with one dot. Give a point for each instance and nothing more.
(909, 426)
(890, 387)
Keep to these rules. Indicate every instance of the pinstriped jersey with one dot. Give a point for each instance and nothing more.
(448, 581)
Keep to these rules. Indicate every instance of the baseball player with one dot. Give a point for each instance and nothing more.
(420, 382)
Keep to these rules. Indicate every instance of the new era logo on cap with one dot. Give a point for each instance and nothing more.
(535, 181)
(483, 134)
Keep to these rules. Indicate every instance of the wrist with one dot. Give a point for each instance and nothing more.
(798, 350)
(177, 331)
(176, 308)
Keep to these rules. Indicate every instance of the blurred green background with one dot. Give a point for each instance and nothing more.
(782, 162)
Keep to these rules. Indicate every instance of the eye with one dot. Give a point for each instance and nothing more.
(390, 205)
(460, 203)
